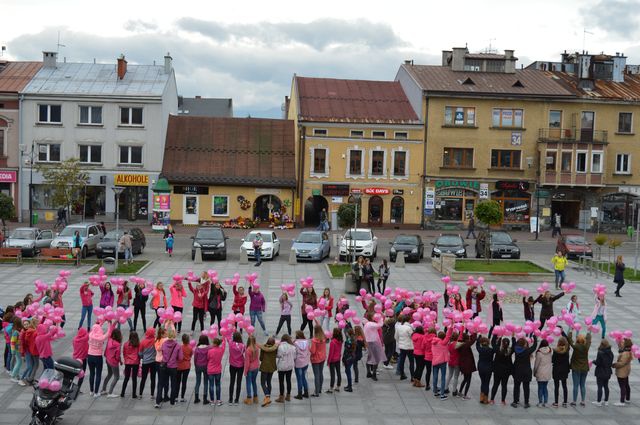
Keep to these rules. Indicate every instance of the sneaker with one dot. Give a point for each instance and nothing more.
(388, 367)
(455, 393)
(514, 404)
(113, 396)
(14, 380)
(564, 405)
(157, 406)
(96, 395)
(619, 404)
(182, 400)
(555, 405)
(606, 403)
(526, 405)
(91, 394)
(572, 404)
(436, 394)
(582, 403)
(22, 383)
(219, 403)
(597, 403)
(466, 397)
(444, 397)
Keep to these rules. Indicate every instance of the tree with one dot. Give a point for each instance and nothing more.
(489, 213)
(66, 181)
(7, 209)
(346, 215)
(600, 240)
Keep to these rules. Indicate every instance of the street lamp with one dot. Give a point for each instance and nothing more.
(356, 197)
(117, 190)
(31, 185)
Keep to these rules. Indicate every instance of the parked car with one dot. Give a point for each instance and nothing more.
(270, 244)
(577, 246)
(30, 239)
(362, 241)
(312, 245)
(211, 241)
(502, 245)
(90, 235)
(410, 246)
(107, 246)
(449, 244)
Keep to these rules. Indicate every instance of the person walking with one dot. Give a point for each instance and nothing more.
(383, 275)
(471, 227)
(257, 248)
(559, 262)
(126, 243)
(599, 313)
(324, 221)
(603, 364)
(579, 365)
(618, 277)
(560, 370)
(557, 226)
(623, 370)
(168, 232)
(543, 370)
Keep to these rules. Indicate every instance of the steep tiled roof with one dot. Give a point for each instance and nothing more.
(354, 101)
(231, 151)
(14, 76)
(629, 90)
(524, 82)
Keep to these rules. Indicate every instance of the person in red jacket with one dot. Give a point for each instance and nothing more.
(428, 355)
(184, 366)
(130, 352)
(474, 297)
(239, 300)
(309, 297)
(200, 296)
(31, 351)
(418, 353)
(326, 319)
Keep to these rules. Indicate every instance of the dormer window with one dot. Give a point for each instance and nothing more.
(469, 81)
(517, 84)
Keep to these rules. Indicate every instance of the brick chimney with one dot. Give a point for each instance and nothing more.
(49, 59)
(122, 67)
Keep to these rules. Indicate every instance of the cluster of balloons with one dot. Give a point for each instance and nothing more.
(110, 314)
(567, 287)
(523, 292)
(600, 290)
(53, 386)
(289, 288)
(169, 314)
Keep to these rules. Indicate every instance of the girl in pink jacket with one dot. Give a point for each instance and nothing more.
(113, 358)
(428, 355)
(440, 351)
(418, 353)
(333, 360)
(214, 370)
(131, 363)
(97, 338)
(178, 293)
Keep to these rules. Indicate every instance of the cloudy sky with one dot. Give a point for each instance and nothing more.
(249, 50)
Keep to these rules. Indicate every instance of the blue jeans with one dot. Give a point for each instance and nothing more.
(559, 277)
(15, 372)
(543, 392)
(214, 384)
(256, 255)
(257, 315)
(318, 377)
(579, 381)
(301, 379)
(29, 366)
(440, 369)
(201, 376)
(87, 311)
(127, 254)
(603, 325)
(251, 383)
(47, 362)
(347, 371)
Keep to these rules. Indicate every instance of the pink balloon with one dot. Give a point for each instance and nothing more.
(43, 383)
(250, 329)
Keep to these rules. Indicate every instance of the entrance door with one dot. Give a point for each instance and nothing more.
(375, 211)
(569, 211)
(586, 126)
(190, 213)
(265, 206)
(469, 206)
(397, 210)
(312, 208)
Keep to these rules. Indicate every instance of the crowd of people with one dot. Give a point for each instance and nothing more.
(395, 328)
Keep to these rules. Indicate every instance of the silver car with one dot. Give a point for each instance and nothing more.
(30, 239)
(90, 235)
(312, 245)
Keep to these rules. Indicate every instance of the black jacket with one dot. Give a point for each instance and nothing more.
(619, 275)
(560, 362)
(139, 300)
(497, 313)
(603, 363)
(502, 362)
(216, 297)
(546, 312)
(522, 363)
(485, 357)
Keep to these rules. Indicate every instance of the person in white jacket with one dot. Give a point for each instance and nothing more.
(573, 308)
(404, 344)
(303, 357)
(542, 370)
(285, 362)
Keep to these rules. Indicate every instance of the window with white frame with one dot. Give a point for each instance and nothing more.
(219, 205)
(130, 116)
(355, 162)
(378, 134)
(510, 118)
(90, 115)
(50, 114)
(91, 154)
(319, 131)
(131, 155)
(581, 162)
(49, 152)
(400, 164)
(623, 163)
(319, 160)
(596, 162)
(377, 163)
(401, 135)
(358, 134)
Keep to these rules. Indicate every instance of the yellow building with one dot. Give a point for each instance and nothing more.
(356, 136)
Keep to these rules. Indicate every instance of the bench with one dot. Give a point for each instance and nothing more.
(57, 254)
(12, 253)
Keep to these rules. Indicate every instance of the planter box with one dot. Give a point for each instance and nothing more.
(446, 266)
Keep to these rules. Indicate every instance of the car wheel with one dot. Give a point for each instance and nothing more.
(375, 254)
(99, 256)
(278, 253)
(85, 251)
(341, 257)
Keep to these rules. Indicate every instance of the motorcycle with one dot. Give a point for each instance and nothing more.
(55, 391)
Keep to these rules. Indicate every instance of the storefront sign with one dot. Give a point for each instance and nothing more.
(131, 180)
(315, 192)
(429, 199)
(336, 200)
(267, 191)
(356, 191)
(191, 190)
(398, 191)
(465, 184)
(377, 191)
(7, 176)
(335, 189)
(512, 185)
(484, 191)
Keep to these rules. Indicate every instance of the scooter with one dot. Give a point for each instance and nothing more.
(55, 391)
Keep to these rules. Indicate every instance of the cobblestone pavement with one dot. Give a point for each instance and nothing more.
(389, 401)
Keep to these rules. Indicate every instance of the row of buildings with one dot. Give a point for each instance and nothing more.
(419, 150)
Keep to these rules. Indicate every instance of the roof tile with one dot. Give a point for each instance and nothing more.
(16, 75)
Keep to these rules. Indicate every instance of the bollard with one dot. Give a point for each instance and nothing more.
(197, 259)
(244, 259)
(293, 260)
(400, 263)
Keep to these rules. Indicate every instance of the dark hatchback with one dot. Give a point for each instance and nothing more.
(107, 246)
(449, 244)
(502, 245)
(410, 246)
(212, 243)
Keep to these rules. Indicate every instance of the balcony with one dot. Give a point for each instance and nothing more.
(572, 135)
(555, 178)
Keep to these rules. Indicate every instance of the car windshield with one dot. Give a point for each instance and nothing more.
(209, 234)
(266, 237)
(407, 240)
(358, 235)
(112, 236)
(22, 234)
(501, 238)
(449, 240)
(309, 238)
(576, 240)
(70, 231)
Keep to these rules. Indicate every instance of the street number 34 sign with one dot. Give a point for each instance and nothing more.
(484, 191)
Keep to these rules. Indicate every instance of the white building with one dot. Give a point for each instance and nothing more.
(113, 117)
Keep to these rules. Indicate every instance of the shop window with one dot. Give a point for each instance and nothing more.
(581, 162)
(623, 163)
(565, 162)
(355, 162)
(49, 152)
(91, 154)
(42, 197)
(460, 116)
(596, 162)
(400, 164)
(397, 209)
(319, 161)
(357, 134)
(50, 114)
(625, 122)
(516, 205)
(377, 163)
(130, 116)
(91, 115)
(618, 209)
(131, 155)
(457, 158)
(509, 118)
(449, 209)
(219, 205)
(505, 158)
(550, 160)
